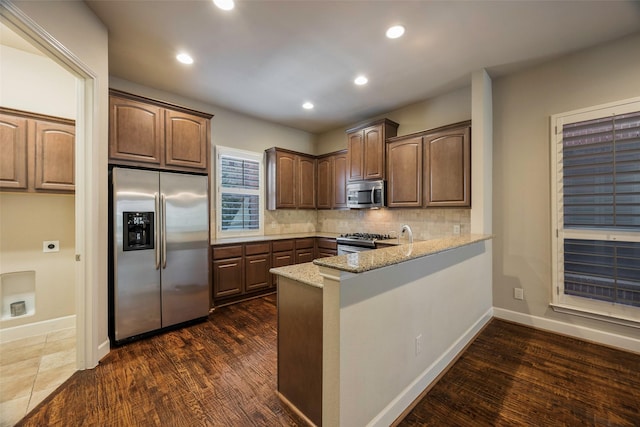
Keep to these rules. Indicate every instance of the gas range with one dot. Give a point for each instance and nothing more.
(364, 240)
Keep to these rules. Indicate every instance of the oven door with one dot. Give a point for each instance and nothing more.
(350, 249)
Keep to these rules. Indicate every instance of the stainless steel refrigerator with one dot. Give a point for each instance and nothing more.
(160, 239)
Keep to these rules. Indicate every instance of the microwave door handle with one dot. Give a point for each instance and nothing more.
(373, 195)
(156, 228)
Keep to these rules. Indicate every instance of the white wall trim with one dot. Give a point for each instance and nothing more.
(37, 328)
(103, 349)
(395, 408)
(576, 331)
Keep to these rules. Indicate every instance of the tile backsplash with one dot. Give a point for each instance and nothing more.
(286, 221)
(425, 223)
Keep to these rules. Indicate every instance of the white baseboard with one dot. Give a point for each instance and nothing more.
(37, 328)
(576, 331)
(103, 349)
(395, 408)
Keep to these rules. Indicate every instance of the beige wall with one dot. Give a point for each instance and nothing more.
(36, 83)
(77, 29)
(26, 220)
(523, 104)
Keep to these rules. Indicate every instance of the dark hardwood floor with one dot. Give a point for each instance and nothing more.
(223, 373)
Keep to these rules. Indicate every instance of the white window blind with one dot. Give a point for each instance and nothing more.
(596, 211)
(239, 199)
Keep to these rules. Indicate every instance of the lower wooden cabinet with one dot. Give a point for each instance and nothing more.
(241, 270)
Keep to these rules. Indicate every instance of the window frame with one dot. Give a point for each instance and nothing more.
(221, 151)
(581, 306)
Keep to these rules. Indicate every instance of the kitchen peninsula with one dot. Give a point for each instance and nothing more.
(360, 336)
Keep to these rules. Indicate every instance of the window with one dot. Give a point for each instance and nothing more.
(239, 200)
(596, 212)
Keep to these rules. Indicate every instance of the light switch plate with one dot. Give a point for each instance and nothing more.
(51, 246)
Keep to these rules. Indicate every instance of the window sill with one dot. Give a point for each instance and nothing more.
(590, 314)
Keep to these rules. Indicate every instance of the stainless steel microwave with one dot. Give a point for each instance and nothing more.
(366, 194)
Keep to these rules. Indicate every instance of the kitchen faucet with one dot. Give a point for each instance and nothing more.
(409, 232)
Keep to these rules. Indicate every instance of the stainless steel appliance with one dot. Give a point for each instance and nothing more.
(358, 242)
(366, 194)
(159, 251)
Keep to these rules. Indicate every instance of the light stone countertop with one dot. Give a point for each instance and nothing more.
(360, 262)
(307, 273)
(267, 237)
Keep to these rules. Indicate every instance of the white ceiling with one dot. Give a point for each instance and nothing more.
(265, 58)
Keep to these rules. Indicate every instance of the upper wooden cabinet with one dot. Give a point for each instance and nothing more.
(430, 168)
(37, 152)
(366, 149)
(332, 180)
(404, 162)
(291, 179)
(447, 165)
(144, 132)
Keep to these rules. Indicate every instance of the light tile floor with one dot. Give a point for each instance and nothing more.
(31, 369)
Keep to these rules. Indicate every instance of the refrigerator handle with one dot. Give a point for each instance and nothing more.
(156, 227)
(163, 199)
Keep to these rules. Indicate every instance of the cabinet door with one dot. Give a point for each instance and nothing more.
(135, 132)
(227, 277)
(54, 156)
(447, 161)
(339, 181)
(355, 148)
(257, 274)
(286, 174)
(13, 152)
(325, 182)
(280, 259)
(404, 162)
(373, 153)
(306, 182)
(186, 140)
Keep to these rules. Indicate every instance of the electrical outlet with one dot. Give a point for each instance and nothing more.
(456, 229)
(418, 344)
(518, 293)
(51, 246)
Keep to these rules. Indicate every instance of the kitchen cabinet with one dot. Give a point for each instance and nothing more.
(149, 133)
(332, 180)
(37, 152)
(447, 163)
(326, 247)
(305, 250)
(291, 180)
(283, 254)
(257, 262)
(404, 162)
(228, 271)
(430, 168)
(366, 149)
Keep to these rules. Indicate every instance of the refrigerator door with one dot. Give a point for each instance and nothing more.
(136, 290)
(185, 243)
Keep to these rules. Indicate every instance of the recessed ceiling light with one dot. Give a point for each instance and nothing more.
(361, 80)
(395, 31)
(307, 106)
(185, 58)
(224, 4)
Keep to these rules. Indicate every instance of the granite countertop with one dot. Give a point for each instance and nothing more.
(266, 238)
(307, 273)
(360, 262)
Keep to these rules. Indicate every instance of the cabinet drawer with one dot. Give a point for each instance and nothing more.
(282, 245)
(326, 243)
(257, 248)
(222, 252)
(305, 243)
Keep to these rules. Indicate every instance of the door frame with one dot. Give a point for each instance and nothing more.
(88, 351)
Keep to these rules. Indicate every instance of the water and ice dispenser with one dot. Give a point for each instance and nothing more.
(138, 231)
